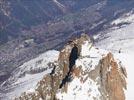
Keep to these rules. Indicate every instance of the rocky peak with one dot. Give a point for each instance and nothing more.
(81, 72)
(112, 76)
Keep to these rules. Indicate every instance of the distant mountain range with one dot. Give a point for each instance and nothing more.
(19, 18)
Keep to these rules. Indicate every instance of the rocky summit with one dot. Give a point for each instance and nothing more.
(82, 71)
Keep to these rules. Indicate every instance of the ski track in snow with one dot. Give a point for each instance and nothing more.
(61, 6)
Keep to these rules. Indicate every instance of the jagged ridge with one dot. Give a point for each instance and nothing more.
(95, 76)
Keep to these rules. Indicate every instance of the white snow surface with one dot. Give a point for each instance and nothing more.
(126, 18)
(21, 80)
(78, 90)
(90, 56)
(121, 39)
(35, 64)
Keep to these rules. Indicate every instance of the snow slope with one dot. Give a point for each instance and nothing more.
(80, 91)
(88, 90)
(126, 18)
(121, 39)
(27, 75)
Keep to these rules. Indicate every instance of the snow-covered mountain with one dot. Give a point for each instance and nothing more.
(27, 75)
(102, 71)
(96, 74)
(31, 27)
(120, 38)
(79, 71)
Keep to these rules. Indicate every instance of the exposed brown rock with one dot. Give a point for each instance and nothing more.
(112, 79)
(76, 72)
(108, 74)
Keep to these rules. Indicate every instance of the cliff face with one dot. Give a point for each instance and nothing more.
(81, 72)
(112, 76)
